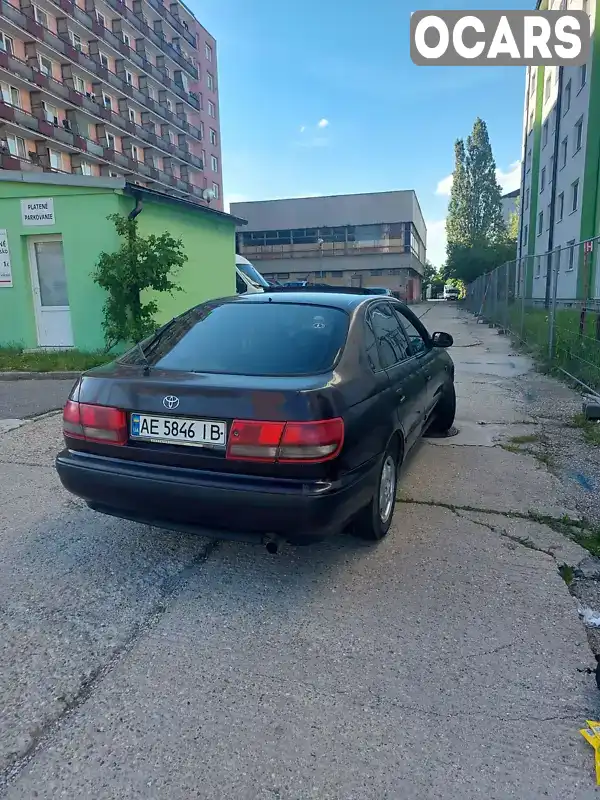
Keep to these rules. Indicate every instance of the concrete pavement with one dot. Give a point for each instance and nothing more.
(21, 399)
(447, 661)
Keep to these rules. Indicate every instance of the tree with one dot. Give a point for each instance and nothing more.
(431, 277)
(513, 223)
(140, 263)
(477, 237)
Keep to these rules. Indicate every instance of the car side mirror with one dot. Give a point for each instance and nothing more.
(441, 339)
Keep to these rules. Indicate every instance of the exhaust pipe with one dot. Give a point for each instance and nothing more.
(272, 544)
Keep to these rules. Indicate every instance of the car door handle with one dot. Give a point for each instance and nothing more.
(427, 378)
(401, 397)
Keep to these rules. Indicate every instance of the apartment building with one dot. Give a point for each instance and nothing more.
(114, 89)
(559, 203)
(376, 239)
(510, 204)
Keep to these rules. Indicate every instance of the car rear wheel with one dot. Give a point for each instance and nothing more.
(374, 521)
(445, 411)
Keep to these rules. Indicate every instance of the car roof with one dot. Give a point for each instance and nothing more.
(343, 300)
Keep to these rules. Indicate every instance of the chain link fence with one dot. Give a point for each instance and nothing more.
(533, 299)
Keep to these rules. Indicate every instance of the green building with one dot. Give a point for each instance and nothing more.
(53, 228)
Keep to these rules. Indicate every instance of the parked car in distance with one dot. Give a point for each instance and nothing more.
(379, 290)
(273, 416)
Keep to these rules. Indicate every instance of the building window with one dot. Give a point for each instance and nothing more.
(571, 261)
(567, 100)
(101, 19)
(86, 168)
(543, 180)
(169, 104)
(110, 141)
(126, 39)
(10, 94)
(578, 135)
(215, 188)
(540, 223)
(564, 149)
(55, 159)
(375, 273)
(529, 160)
(208, 52)
(545, 134)
(214, 163)
(531, 120)
(16, 146)
(45, 65)
(201, 129)
(213, 137)
(132, 115)
(574, 196)
(76, 41)
(525, 235)
(582, 76)
(212, 111)
(548, 86)
(527, 194)
(551, 176)
(538, 266)
(135, 153)
(51, 113)
(561, 206)
(107, 101)
(79, 84)
(548, 217)
(40, 16)
(210, 81)
(128, 77)
(104, 60)
(6, 43)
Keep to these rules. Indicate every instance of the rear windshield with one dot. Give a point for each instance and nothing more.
(250, 339)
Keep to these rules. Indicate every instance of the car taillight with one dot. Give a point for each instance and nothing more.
(94, 423)
(287, 442)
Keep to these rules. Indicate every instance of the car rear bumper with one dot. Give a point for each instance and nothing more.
(216, 505)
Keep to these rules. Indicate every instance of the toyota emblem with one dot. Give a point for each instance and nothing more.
(170, 402)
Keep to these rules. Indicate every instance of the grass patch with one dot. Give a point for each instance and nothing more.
(567, 573)
(14, 359)
(589, 428)
(529, 438)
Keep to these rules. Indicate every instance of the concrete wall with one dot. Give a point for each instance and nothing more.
(333, 211)
(81, 209)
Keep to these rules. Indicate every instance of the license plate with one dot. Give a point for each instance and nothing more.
(178, 430)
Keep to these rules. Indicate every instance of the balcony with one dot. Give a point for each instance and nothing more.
(136, 19)
(327, 250)
(89, 63)
(164, 12)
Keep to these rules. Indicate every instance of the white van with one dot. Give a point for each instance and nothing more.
(248, 279)
(451, 292)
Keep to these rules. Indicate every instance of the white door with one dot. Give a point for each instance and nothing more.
(50, 296)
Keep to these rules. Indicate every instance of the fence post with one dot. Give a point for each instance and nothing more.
(523, 293)
(555, 266)
(506, 293)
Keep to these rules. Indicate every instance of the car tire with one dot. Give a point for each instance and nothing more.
(375, 520)
(445, 411)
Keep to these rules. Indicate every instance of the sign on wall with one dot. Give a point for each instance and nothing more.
(39, 211)
(5, 268)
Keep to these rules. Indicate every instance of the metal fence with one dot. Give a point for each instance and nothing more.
(532, 298)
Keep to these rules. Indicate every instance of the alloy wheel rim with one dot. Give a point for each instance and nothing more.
(387, 489)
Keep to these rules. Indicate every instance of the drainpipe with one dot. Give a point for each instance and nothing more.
(131, 216)
(553, 192)
(137, 210)
(524, 166)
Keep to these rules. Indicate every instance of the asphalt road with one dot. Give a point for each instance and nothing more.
(21, 399)
(448, 661)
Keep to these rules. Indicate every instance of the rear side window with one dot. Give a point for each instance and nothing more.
(240, 338)
(390, 337)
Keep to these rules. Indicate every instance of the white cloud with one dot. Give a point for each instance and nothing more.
(509, 180)
(436, 241)
(302, 129)
(323, 123)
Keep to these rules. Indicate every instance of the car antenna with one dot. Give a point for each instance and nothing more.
(144, 359)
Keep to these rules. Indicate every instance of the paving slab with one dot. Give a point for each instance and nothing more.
(26, 398)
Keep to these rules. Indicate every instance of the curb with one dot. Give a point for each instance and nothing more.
(38, 376)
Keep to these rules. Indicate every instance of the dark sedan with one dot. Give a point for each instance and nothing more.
(262, 417)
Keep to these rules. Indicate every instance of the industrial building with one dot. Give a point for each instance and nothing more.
(376, 239)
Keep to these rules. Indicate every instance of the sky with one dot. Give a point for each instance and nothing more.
(321, 98)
